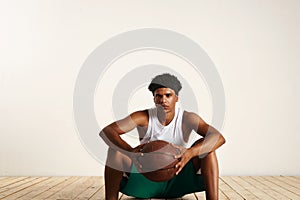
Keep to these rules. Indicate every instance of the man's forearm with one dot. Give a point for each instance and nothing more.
(113, 140)
(209, 143)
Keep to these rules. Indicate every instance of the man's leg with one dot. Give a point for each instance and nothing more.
(116, 164)
(209, 171)
(210, 174)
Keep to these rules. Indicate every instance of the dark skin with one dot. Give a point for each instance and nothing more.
(202, 153)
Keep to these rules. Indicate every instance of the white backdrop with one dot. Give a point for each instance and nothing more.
(254, 45)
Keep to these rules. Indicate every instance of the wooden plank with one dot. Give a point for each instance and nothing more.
(125, 197)
(99, 194)
(55, 188)
(290, 179)
(97, 182)
(222, 195)
(2, 178)
(28, 189)
(11, 180)
(245, 193)
(283, 188)
(42, 187)
(228, 190)
(270, 190)
(296, 179)
(191, 196)
(242, 181)
(15, 183)
(261, 191)
(84, 188)
(292, 182)
(200, 195)
(19, 186)
(72, 190)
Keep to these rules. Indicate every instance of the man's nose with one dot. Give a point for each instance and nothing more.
(163, 99)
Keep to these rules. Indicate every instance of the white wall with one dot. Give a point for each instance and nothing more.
(254, 45)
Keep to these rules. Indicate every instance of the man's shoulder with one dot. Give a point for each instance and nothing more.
(140, 117)
(187, 114)
(141, 113)
(189, 117)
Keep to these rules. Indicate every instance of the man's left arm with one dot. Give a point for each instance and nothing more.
(212, 139)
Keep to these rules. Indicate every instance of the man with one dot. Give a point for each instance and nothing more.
(170, 123)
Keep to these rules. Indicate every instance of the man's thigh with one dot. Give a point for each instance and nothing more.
(117, 160)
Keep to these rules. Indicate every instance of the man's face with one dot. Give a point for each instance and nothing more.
(166, 98)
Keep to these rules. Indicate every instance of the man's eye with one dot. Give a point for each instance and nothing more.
(168, 95)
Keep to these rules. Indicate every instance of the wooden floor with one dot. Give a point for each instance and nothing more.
(231, 187)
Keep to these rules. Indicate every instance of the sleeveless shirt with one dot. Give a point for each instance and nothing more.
(171, 133)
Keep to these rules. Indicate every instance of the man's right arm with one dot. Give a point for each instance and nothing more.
(111, 133)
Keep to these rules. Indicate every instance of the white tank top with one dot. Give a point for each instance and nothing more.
(171, 133)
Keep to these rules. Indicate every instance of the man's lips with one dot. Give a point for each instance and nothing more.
(163, 106)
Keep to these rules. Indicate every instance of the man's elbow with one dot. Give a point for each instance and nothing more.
(222, 139)
(102, 134)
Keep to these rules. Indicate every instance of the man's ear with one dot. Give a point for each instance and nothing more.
(176, 98)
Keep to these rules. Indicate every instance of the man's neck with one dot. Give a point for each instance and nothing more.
(165, 118)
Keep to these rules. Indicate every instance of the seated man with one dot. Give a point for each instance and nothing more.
(166, 122)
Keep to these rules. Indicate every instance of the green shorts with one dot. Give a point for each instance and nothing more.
(187, 181)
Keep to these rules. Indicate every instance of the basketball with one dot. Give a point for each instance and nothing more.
(156, 160)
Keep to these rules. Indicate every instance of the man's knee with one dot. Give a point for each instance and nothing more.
(117, 160)
(204, 159)
(210, 155)
(114, 156)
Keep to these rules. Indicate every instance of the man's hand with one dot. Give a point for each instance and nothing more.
(183, 157)
(134, 154)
